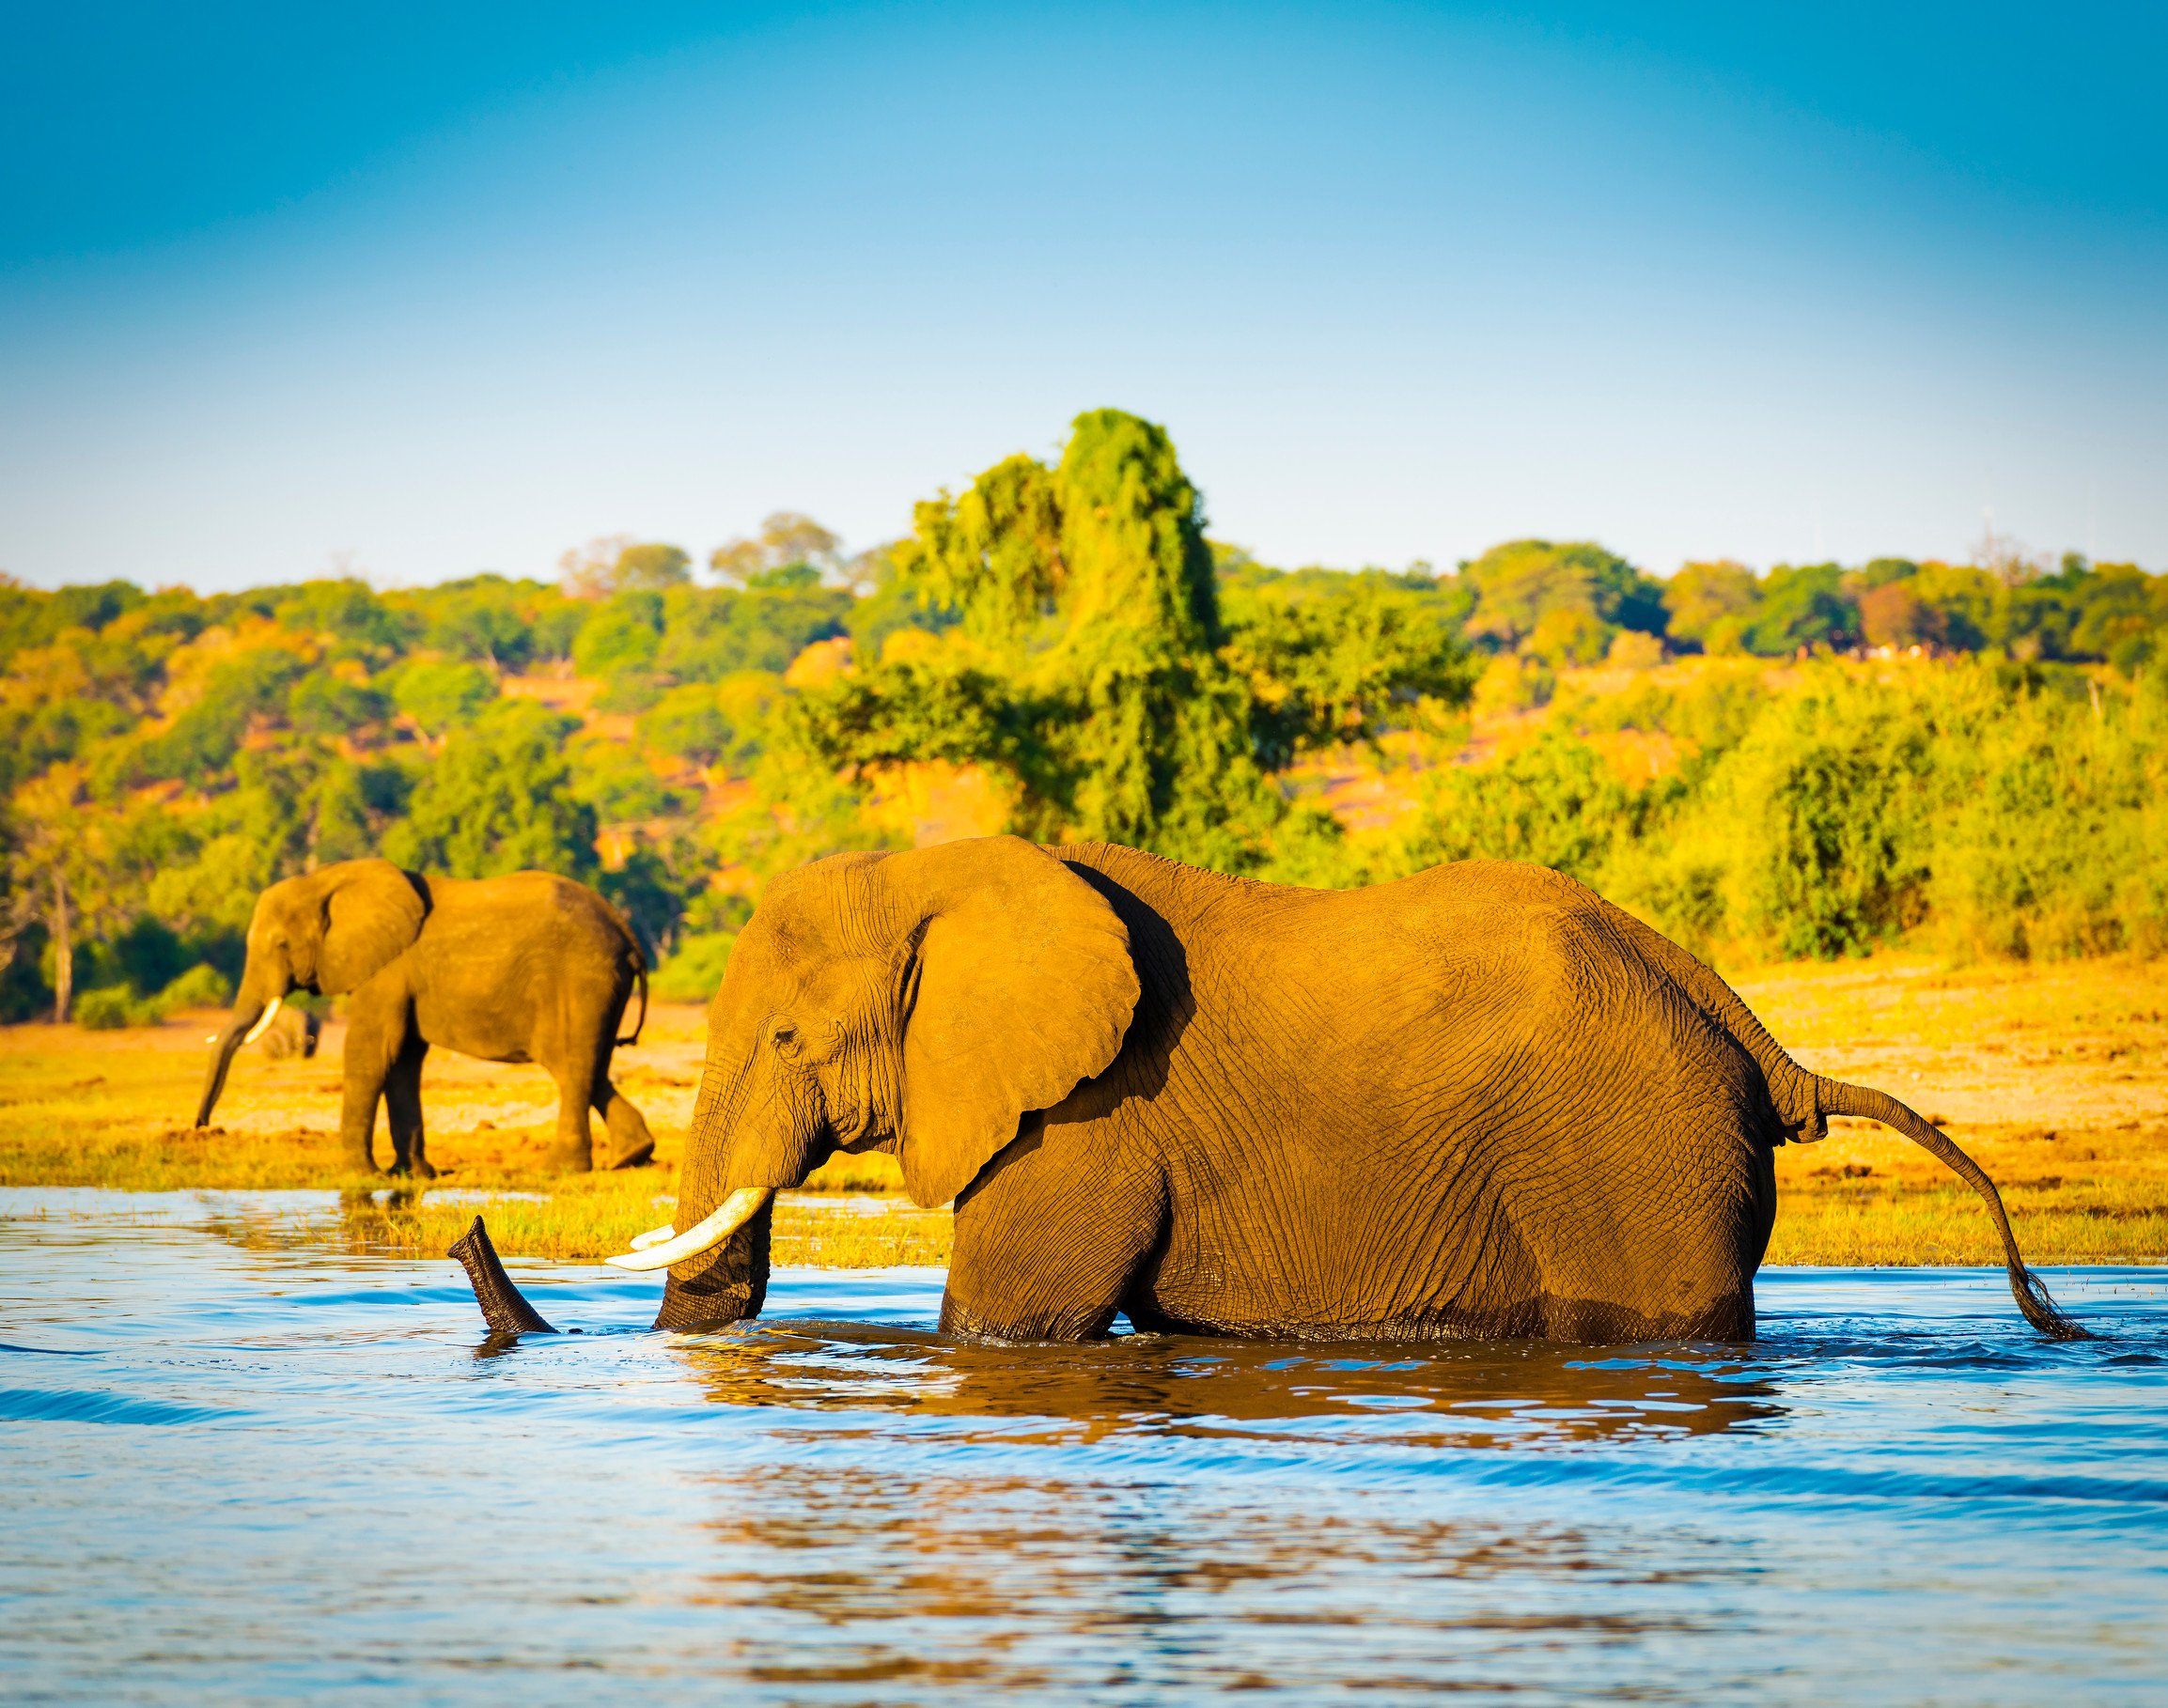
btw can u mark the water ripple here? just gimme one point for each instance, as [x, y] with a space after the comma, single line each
[246, 1465]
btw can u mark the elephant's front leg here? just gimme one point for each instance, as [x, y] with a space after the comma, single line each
[378, 1018]
[575, 1091]
[1048, 1239]
[403, 1105]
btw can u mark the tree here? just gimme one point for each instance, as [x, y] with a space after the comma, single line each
[1711, 603]
[1800, 607]
[442, 697]
[786, 539]
[79, 865]
[1091, 667]
[616, 563]
[48, 867]
[623, 636]
[1330, 656]
[499, 798]
[1893, 614]
[1518, 584]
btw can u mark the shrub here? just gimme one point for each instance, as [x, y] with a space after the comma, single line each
[695, 971]
[201, 987]
[106, 1010]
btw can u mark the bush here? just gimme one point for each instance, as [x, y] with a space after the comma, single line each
[201, 987]
[695, 971]
[442, 697]
[1555, 803]
[106, 1010]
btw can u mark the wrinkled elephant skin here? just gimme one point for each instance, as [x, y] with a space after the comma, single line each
[1480, 1101]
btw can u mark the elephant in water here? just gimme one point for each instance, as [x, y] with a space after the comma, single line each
[1480, 1101]
[528, 968]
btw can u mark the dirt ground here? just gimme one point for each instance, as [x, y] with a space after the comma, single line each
[2055, 1078]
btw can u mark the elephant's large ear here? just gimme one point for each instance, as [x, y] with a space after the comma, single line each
[1024, 986]
[371, 913]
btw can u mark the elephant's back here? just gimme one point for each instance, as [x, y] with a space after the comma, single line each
[521, 958]
[1478, 1068]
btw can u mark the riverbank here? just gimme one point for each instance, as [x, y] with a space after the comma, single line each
[2055, 1078]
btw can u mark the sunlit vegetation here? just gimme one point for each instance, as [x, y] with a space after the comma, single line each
[1821, 762]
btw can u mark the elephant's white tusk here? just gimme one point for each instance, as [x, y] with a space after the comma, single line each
[738, 1209]
[642, 1241]
[270, 1014]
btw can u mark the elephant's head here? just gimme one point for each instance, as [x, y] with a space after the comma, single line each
[919, 1003]
[325, 933]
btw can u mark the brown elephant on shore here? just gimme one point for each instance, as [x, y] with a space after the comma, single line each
[526, 968]
[1478, 1101]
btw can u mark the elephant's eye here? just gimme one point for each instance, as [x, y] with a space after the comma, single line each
[785, 1041]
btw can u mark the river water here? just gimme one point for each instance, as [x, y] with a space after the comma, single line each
[241, 1464]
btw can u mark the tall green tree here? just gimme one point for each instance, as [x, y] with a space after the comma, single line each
[500, 798]
[1093, 668]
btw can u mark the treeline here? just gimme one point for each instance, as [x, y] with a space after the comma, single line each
[1065, 637]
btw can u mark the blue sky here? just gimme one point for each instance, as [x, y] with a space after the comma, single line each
[430, 293]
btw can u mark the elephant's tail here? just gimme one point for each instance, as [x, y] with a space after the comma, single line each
[1839, 1099]
[643, 1019]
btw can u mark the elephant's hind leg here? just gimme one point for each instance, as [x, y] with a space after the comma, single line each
[631, 1145]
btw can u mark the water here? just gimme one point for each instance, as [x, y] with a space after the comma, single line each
[242, 1465]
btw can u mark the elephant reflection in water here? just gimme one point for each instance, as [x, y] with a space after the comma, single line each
[525, 968]
[1472, 1395]
[1054, 1582]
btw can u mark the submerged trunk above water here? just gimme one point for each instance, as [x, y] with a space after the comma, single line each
[504, 1307]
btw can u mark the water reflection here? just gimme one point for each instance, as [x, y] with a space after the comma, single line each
[271, 1467]
[1465, 1395]
[1023, 1584]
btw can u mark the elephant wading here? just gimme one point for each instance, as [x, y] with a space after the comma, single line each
[529, 968]
[1480, 1101]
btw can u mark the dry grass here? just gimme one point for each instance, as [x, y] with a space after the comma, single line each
[111, 1109]
[2055, 1078]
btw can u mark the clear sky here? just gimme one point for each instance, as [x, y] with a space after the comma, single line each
[432, 290]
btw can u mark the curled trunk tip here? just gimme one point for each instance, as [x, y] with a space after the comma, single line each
[504, 1308]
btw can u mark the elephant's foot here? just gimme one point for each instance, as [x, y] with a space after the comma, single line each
[418, 1167]
[361, 1162]
[568, 1158]
[641, 1155]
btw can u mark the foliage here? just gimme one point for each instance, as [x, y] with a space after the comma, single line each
[787, 541]
[708, 634]
[1985, 810]
[441, 697]
[1519, 583]
[694, 974]
[1554, 803]
[1092, 666]
[620, 786]
[1066, 632]
[623, 637]
[500, 798]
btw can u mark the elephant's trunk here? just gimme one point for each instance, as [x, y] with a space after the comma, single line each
[504, 1307]
[251, 1015]
[731, 1288]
